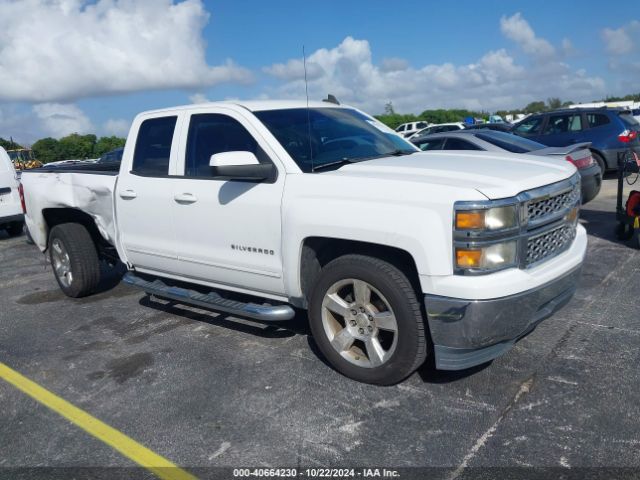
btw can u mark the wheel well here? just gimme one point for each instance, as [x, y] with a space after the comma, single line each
[601, 155]
[318, 251]
[57, 216]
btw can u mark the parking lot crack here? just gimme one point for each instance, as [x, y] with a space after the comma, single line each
[525, 387]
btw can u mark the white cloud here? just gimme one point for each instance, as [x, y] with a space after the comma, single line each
[516, 28]
[494, 81]
[393, 64]
[19, 123]
[64, 50]
[294, 69]
[58, 120]
[199, 98]
[116, 126]
[623, 40]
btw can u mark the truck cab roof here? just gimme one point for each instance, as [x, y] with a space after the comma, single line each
[251, 105]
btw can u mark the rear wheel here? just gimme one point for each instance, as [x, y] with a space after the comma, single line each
[600, 161]
[14, 229]
[74, 259]
[367, 320]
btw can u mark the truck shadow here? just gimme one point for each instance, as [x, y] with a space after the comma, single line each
[299, 325]
[600, 224]
[250, 326]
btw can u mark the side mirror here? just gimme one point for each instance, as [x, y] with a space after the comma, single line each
[241, 165]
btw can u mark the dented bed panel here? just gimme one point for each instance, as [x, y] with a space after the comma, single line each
[91, 193]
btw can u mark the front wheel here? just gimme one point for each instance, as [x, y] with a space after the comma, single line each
[367, 321]
[74, 259]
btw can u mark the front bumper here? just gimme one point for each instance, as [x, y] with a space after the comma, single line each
[466, 333]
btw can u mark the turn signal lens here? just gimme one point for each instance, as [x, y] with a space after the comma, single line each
[492, 257]
[468, 258]
[572, 216]
[470, 220]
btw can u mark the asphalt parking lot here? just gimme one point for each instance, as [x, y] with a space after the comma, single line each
[206, 390]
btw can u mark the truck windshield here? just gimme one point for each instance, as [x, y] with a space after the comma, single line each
[320, 136]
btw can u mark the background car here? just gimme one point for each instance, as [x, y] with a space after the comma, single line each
[493, 141]
[408, 129]
[609, 130]
[111, 158]
[500, 127]
[439, 127]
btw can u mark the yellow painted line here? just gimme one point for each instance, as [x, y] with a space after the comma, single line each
[128, 447]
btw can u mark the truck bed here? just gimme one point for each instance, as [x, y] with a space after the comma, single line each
[88, 188]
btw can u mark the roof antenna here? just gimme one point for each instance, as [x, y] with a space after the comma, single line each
[331, 99]
[306, 91]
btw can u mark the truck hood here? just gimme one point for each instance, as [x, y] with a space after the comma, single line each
[495, 175]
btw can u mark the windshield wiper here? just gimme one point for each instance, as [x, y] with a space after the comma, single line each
[342, 161]
[394, 153]
[345, 161]
[398, 153]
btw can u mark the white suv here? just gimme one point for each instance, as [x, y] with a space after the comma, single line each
[408, 129]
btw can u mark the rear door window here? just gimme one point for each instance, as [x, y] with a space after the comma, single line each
[153, 146]
[563, 123]
[596, 119]
[459, 144]
[431, 144]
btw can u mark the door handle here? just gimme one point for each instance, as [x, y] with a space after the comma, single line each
[128, 194]
[186, 198]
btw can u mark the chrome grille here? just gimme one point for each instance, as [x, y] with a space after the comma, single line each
[538, 210]
[549, 243]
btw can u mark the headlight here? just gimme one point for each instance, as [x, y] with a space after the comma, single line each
[491, 257]
[496, 218]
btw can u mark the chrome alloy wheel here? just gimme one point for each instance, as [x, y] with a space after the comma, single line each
[61, 263]
[359, 323]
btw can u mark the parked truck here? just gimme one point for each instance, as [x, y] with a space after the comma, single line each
[258, 208]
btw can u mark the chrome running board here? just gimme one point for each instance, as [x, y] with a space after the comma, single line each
[211, 300]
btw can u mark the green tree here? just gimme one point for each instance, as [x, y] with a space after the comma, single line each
[535, 107]
[77, 147]
[47, 150]
[106, 144]
[396, 119]
[554, 103]
[9, 144]
[447, 116]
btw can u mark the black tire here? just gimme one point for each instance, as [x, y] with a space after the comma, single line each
[83, 259]
[411, 348]
[601, 163]
[14, 229]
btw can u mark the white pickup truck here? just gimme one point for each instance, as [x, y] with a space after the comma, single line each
[258, 207]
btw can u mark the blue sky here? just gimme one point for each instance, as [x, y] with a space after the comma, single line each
[72, 65]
